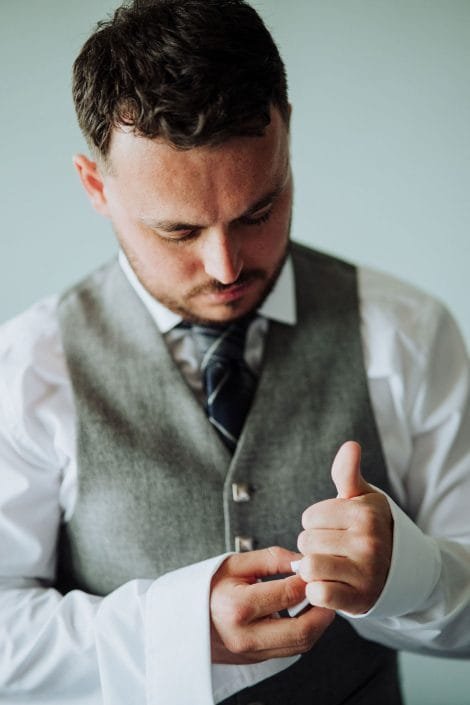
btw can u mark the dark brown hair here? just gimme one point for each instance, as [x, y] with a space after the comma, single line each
[193, 72]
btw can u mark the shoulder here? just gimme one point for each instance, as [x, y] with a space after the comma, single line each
[396, 305]
[389, 307]
[401, 324]
[31, 338]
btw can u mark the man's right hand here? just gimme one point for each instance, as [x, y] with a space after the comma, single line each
[244, 621]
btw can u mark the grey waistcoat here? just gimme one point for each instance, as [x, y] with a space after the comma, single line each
[154, 483]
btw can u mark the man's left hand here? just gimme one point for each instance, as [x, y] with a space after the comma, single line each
[347, 541]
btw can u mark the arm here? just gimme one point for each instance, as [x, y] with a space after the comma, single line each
[51, 644]
[425, 606]
[420, 395]
[132, 645]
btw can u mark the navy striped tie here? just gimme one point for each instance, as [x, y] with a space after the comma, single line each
[229, 384]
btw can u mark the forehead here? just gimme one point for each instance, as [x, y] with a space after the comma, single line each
[151, 177]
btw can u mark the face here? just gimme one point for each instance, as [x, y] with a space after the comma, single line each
[206, 229]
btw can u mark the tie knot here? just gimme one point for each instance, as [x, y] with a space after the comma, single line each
[223, 343]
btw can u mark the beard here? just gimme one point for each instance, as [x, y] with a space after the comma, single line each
[248, 276]
[183, 306]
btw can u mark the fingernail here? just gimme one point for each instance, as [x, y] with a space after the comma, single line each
[295, 566]
[294, 611]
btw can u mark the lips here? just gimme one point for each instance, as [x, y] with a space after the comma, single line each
[230, 293]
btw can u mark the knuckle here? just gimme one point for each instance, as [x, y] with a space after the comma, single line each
[240, 644]
[302, 647]
[275, 557]
[321, 593]
[302, 542]
[293, 591]
[276, 553]
[326, 592]
[308, 516]
[241, 613]
[310, 567]
[219, 604]
[230, 611]
[305, 639]
[306, 634]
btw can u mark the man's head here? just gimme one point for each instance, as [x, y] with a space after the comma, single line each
[193, 72]
[184, 106]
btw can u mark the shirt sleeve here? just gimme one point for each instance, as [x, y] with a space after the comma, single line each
[419, 381]
[131, 646]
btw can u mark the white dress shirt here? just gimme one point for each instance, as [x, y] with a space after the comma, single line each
[149, 641]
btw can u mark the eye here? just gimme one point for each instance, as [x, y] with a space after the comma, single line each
[186, 237]
[258, 218]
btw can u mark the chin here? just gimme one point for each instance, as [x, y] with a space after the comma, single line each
[225, 313]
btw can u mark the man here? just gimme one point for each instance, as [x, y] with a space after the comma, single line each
[168, 422]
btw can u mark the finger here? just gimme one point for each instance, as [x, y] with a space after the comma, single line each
[327, 541]
[346, 472]
[329, 514]
[263, 599]
[317, 567]
[336, 596]
[262, 563]
[274, 638]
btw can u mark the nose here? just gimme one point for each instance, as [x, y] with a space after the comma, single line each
[222, 257]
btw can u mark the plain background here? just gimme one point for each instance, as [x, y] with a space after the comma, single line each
[381, 157]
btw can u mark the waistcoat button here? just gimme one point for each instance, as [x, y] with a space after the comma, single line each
[241, 492]
[243, 543]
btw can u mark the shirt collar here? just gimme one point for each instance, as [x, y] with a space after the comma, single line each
[279, 306]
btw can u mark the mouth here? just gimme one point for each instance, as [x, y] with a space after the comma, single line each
[232, 292]
[217, 293]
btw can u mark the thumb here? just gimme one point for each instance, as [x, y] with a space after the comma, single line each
[346, 472]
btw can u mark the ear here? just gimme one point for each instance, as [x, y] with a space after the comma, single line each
[92, 182]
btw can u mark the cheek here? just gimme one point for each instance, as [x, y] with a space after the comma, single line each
[262, 250]
[173, 265]
[274, 237]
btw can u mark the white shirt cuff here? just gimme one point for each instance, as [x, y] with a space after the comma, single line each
[228, 680]
[178, 643]
[414, 570]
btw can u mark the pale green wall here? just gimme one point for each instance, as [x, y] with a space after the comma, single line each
[381, 153]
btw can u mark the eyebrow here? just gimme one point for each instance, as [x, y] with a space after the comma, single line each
[169, 226]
